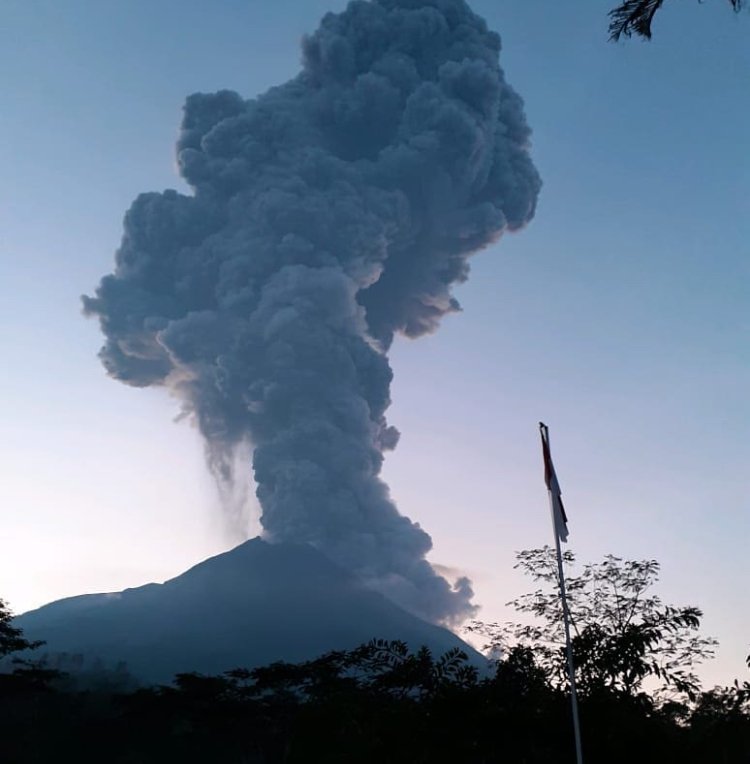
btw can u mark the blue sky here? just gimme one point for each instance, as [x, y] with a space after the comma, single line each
[619, 316]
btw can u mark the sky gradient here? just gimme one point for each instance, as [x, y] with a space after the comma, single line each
[619, 316]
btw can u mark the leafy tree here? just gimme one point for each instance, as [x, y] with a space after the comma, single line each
[384, 704]
[720, 724]
[634, 17]
[623, 634]
[355, 705]
[377, 704]
[11, 638]
[26, 676]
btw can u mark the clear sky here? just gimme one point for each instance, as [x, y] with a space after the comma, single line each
[620, 316]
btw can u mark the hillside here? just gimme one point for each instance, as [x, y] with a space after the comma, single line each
[253, 605]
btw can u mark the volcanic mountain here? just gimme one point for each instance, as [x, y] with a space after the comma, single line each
[253, 605]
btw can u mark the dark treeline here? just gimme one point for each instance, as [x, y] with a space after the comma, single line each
[382, 703]
[379, 703]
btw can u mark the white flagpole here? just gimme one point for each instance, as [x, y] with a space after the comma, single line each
[566, 620]
[569, 647]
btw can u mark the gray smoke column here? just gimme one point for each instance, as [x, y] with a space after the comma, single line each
[327, 215]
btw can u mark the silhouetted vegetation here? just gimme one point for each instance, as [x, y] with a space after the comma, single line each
[19, 677]
[624, 636]
[635, 17]
[384, 703]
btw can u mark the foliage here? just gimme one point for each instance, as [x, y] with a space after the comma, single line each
[622, 633]
[19, 675]
[11, 638]
[635, 17]
[721, 722]
[380, 702]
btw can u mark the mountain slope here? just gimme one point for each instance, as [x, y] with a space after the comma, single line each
[253, 605]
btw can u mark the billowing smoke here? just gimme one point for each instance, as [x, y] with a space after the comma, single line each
[327, 215]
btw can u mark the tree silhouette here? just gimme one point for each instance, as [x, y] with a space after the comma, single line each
[26, 675]
[634, 17]
[11, 638]
[622, 632]
[383, 703]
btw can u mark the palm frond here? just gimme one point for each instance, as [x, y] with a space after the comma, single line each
[634, 17]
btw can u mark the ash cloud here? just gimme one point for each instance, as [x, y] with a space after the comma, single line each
[326, 216]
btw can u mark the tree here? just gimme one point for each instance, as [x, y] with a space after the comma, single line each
[720, 723]
[377, 703]
[634, 17]
[11, 638]
[622, 633]
[26, 676]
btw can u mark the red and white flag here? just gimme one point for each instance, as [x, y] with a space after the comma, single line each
[559, 518]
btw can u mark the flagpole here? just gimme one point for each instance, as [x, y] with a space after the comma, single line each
[551, 480]
[568, 645]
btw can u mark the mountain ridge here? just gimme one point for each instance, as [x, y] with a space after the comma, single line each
[253, 605]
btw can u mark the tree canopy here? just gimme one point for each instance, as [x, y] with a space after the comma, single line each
[387, 704]
[623, 634]
[11, 638]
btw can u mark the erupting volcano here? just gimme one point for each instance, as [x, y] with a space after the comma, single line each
[327, 215]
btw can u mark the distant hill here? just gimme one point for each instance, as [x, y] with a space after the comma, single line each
[253, 605]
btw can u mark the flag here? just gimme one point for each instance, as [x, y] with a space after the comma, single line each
[559, 518]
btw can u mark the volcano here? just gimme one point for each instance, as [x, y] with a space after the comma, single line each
[251, 606]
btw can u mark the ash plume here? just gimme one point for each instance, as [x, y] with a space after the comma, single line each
[326, 216]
